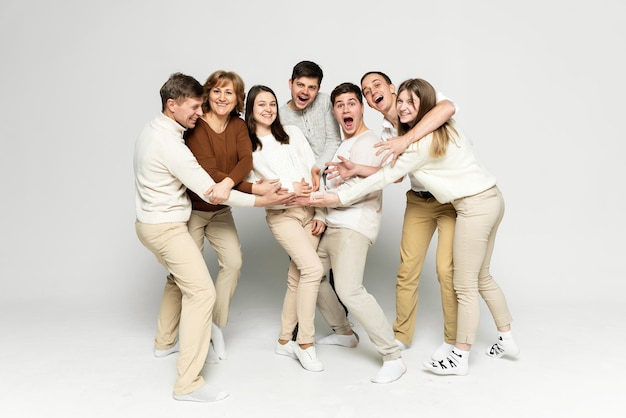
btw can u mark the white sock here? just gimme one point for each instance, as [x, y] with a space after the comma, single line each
[166, 352]
[460, 356]
[506, 346]
[400, 344]
[442, 351]
[205, 393]
[218, 342]
[340, 339]
[391, 371]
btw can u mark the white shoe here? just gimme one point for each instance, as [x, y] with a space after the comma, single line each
[164, 353]
[308, 358]
[285, 349]
[442, 351]
[350, 341]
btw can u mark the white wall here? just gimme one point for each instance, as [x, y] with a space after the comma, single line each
[540, 85]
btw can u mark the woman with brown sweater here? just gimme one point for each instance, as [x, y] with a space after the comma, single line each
[221, 144]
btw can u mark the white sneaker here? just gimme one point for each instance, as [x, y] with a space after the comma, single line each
[308, 358]
[285, 349]
[350, 341]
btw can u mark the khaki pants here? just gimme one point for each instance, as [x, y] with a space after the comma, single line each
[345, 251]
[421, 218]
[292, 229]
[219, 229]
[188, 299]
[478, 218]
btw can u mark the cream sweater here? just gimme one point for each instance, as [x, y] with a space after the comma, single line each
[455, 175]
[164, 169]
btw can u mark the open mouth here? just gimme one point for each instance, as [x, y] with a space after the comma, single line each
[378, 99]
[348, 122]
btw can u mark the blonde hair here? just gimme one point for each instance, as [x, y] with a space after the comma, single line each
[443, 135]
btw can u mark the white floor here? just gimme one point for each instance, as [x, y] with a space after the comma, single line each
[71, 361]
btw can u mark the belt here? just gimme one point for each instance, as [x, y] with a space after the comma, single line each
[424, 195]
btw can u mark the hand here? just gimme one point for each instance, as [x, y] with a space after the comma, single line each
[316, 175]
[318, 227]
[324, 200]
[276, 196]
[300, 201]
[392, 148]
[302, 188]
[221, 191]
[263, 186]
[207, 192]
[342, 170]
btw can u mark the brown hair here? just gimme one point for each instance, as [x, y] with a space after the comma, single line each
[443, 135]
[218, 78]
[179, 87]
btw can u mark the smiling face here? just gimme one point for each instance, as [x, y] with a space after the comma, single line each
[378, 93]
[407, 107]
[303, 92]
[348, 111]
[186, 112]
[222, 98]
[264, 111]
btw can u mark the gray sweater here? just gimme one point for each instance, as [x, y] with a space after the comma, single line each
[318, 125]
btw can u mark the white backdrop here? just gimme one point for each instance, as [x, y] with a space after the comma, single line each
[540, 86]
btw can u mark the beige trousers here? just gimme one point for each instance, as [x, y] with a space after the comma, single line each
[188, 299]
[292, 229]
[478, 218]
[345, 251]
[220, 231]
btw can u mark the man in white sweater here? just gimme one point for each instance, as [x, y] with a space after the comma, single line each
[350, 231]
[164, 169]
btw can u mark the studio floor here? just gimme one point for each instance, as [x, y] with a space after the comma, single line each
[64, 360]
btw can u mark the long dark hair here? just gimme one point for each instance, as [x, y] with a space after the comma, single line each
[277, 128]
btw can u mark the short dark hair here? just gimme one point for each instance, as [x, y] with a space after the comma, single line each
[380, 73]
[346, 88]
[307, 69]
[179, 87]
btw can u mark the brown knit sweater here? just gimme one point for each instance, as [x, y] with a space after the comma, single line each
[226, 154]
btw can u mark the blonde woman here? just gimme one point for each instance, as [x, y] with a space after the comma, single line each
[445, 163]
